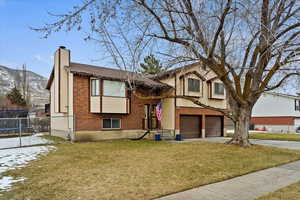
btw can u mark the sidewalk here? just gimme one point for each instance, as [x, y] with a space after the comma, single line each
[273, 143]
[247, 187]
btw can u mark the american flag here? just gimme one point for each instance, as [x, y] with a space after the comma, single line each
[159, 111]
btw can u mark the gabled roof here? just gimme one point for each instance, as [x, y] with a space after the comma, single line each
[193, 72]
[172, 72]
[50, 79]
[111, 74]
[283, 95]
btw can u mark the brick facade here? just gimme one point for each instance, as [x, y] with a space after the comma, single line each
[273, 120]
[6, 104]
[87, 121]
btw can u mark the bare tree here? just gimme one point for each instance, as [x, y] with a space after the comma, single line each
[253, 46]
[22, 84]
[25, 85]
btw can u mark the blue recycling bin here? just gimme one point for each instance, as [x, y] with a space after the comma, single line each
[178, 137]
[157, 137]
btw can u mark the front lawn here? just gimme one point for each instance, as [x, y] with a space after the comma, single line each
[292, 192]
[54, 139]
[137, 169]
[272, 136]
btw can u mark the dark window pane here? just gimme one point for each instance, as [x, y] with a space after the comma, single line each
[219, 88]
[193, 85]
[115, 123]
[106, 123]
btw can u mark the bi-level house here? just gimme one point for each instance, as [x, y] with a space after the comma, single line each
[97, 103]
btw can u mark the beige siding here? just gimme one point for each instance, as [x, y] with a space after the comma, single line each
[204, 90]
[70, 112]
[55, 83]
[169, 81]
[114, 104]
[59, 121]
[168, 114]
[61, 80]
[70, 96]
[52, 98]
[95, 104]
[64, 62]
[61, 89]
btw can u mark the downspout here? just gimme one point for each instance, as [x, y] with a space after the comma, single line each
[71, 133]
[175, 104]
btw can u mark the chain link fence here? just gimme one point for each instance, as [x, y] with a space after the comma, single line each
[28, 131]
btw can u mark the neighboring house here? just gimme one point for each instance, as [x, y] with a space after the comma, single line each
[277, 112]
[96, 103]
[10, 110]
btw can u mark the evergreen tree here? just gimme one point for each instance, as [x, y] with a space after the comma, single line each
[16, 97]
[151, 66]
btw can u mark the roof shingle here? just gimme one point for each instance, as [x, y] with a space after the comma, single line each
[114, 74]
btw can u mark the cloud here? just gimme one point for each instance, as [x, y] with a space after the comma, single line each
[37, 57]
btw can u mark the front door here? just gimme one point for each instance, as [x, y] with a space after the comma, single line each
[150, 120]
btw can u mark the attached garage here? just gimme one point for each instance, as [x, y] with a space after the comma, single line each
[190, 126]
[213, 126]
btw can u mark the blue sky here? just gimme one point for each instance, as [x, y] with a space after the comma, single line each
[19, 44]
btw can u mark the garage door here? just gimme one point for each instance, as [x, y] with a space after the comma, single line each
[213, 126]
[190, 126]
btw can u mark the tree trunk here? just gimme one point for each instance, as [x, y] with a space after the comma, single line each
[241, 127]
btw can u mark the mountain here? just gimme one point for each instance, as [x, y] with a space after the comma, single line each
[37, 84]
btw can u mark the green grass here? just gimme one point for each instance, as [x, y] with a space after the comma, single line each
[137, 170]
[272, 136]
[54, 139]
[292, 192]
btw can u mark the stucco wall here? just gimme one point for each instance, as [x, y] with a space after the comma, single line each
[168, 114]
[204, 92]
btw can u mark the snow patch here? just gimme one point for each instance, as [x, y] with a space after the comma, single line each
[7, 181]
[17, 158]
[25, 140]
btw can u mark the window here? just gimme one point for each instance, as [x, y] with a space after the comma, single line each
[95, 87]
[114, 88]
[297, 105]
[219, 88]
[112, 123]
[193, 85]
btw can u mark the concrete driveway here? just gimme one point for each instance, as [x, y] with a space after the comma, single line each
[273, 143]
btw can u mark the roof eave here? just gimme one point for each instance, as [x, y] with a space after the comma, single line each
[48, 86]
